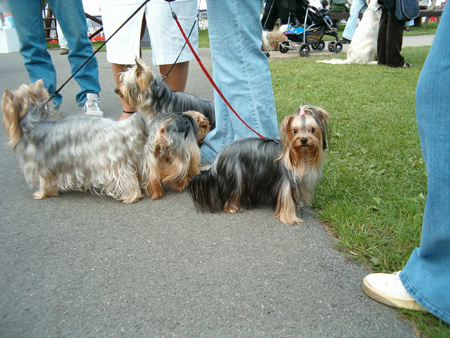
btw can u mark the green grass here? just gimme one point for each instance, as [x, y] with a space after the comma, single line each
[372, 196]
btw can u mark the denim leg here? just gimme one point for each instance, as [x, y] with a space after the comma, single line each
[33, 46]
[350, 27]
[71, 17]
[426, 276]
[242, 73]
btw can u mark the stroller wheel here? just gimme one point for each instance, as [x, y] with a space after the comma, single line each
[338, 48]
[283, 47]
[304, 50]
[331, 46]
[320, 45]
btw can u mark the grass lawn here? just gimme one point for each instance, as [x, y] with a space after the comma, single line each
[372, 196]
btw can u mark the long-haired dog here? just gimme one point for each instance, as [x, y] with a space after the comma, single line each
[172, 154]
[252, 171]
[271, 40]
[150, 94]
[363, 48]
[78, 152]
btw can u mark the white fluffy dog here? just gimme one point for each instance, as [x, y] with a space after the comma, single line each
[363, 48]
[271, 40]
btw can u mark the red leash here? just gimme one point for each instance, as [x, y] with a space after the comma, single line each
[209, 76]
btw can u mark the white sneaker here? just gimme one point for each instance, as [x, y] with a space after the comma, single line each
[91, 106]
[389, 290]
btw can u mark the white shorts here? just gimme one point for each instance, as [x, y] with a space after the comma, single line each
[165, 36]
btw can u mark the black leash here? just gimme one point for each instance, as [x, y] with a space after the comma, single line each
[96, 51]
[181, 51]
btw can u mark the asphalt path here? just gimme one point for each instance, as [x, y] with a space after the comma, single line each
[87, 266]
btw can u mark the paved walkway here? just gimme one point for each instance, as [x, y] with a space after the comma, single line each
[88, 266]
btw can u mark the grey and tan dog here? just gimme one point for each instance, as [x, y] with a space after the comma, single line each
[114, 158]
[78, 152]
[150, 95]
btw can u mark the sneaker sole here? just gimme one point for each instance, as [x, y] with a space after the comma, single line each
[399, 303]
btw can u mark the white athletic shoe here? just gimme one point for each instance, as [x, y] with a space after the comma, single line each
[389, 290]
[91, 106]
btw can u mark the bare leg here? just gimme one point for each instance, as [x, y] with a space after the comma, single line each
[177, 77]
[117, 69]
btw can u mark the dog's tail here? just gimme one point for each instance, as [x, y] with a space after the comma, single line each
[204, 192]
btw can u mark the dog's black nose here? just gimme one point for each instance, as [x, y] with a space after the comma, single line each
[304, 140]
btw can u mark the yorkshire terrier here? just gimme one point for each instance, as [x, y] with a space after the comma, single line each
[150, 94]
[252, 171]
[172, 153]
[78, 152]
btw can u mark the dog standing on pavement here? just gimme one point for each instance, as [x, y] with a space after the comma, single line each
[253, 171]
[363, 48]
[78, 152]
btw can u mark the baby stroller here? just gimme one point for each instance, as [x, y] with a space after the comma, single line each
[314, 24]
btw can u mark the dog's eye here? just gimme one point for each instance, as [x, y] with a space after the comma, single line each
[295, 131]
[312, 130]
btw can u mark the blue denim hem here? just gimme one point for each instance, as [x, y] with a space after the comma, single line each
[421, 300]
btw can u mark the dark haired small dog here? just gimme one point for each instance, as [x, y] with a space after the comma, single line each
[150, 95]
[252, 171]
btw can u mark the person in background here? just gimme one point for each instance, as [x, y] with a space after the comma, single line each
[390, 39]
[33, 48]
[165, 37]
[350, 27]
[62, 41]
[272, 12]
[423, 283]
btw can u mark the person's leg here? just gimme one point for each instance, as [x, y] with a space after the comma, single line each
[352, 21]
[177, 77]
[241, 71]
[166, 39]
[270, 15]
[71, 17]
[33, 46]
[117, 69]
[62, 41]
[426, 276]
[394, 41]
[381, 40]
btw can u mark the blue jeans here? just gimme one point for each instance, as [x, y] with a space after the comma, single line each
[352, 20]
[241, 71]
[426, 276]
[27, 16]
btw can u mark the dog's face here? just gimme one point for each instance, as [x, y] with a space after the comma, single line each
[135, 84]
[16, 104]
[304, 136]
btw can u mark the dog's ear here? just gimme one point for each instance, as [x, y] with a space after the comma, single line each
[321, 113]
[143, 76]
[7, 97]
[286, 123]
[140, 65]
